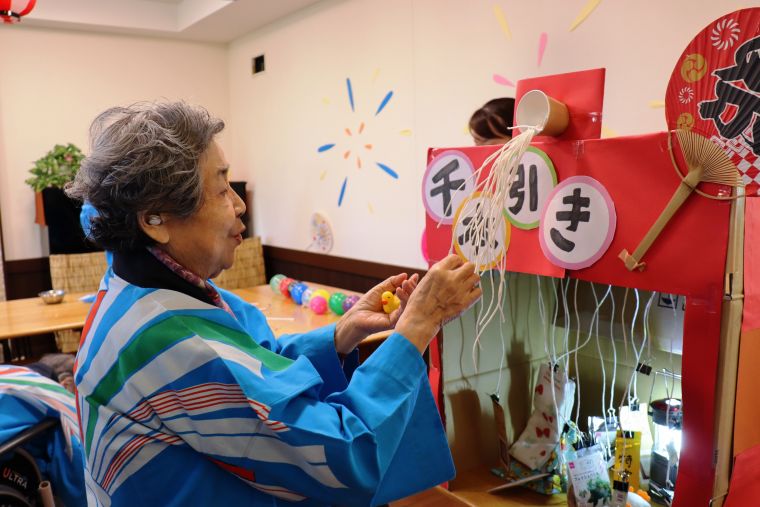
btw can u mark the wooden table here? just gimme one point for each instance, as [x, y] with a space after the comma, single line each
[29, 317]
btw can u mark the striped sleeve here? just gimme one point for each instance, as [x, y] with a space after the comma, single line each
[317, 345]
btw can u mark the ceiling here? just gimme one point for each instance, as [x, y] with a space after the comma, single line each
[200, 20]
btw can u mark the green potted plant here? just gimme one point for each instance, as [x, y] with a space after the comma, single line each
[60, 214]
[56, 168]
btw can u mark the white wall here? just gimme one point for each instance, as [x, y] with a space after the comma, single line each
[438, 56]
[53, 83]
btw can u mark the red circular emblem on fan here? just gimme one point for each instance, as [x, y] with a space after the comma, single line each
[715, 90]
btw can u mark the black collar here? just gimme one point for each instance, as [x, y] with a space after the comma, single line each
[139, 267]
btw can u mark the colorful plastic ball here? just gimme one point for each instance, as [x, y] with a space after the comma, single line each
[284, 284]
[318, 304]
[274, 283]
[349, 302]
[336, 303]
[306, 296]
[296, 292]
[322, 292]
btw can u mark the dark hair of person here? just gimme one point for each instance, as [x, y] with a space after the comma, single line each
[492, 121]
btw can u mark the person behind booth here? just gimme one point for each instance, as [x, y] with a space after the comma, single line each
[492, 123]
[185, 397]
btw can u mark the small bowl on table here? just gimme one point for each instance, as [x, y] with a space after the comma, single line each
[52, 297]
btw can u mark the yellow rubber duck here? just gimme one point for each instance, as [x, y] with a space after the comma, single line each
[390, 301]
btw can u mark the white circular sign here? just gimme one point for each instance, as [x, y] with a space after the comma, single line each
[533, 182]
[448, 181]
[481, 232]
[578, 223]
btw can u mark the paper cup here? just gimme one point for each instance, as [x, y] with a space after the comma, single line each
[538, 109]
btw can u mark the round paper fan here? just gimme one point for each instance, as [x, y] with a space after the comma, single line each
[715, 90]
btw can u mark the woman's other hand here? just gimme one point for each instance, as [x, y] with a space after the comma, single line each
[449, 288]
[367, 316]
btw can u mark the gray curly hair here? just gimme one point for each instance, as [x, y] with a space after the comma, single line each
[143, 158]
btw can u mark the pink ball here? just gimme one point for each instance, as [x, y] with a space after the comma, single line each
[318, 305]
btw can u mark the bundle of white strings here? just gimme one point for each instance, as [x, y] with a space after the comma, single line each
[485, 219]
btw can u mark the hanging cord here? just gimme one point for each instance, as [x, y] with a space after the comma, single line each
[606, 448]
[542, 317]
[575, 355]
[633, 346]
[503, 348]
[669, 391]
[566, 330]
[637, 353]
[555, 294]
[559, 418]
[592, 325]
[623, 325]
[614, 351]
[487, 218]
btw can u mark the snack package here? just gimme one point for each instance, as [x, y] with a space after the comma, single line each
[542, 433]
[589, 477]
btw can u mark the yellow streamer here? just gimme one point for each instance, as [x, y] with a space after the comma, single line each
[502, 19]
[585, 12]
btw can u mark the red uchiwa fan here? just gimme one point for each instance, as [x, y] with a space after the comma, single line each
[714, 91]
[712, 106]
[11, 11]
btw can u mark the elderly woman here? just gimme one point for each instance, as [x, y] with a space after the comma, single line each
[185, 397]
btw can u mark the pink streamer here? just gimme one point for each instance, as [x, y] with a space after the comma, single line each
[499, 79]
[542, 40]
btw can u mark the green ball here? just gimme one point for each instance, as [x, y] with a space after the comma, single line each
[274, 283]
[336, 303]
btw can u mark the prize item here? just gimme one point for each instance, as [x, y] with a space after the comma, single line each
[390, 301]
[627, 458]
[318, 304]
[588, 475]
[349, 303]
[321, 293]
[284, 286]
[296, 292]
[306, 296]
[274, 283]
[542, 434]
[336, 303]
[638, 499]
[667, 416]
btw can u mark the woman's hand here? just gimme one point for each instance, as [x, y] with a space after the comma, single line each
[367, 316]
[449, 288]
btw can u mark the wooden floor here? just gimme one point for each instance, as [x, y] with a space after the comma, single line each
[470, 488]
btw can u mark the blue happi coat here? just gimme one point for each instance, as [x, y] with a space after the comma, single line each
[182, 403]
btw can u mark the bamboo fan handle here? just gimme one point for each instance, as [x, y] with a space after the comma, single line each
[686, 187]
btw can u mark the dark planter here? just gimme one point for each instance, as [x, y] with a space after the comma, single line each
[64, 230]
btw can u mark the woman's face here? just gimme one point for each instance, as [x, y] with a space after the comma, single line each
[205, 242]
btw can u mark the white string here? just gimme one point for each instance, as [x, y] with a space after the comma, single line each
[486, 219]
[554, 319]
[503, 352]
[614, 350]
[622, 324]
[633, 345]
[575, 356]
[672, 338]
[605, 448]
[566, 329]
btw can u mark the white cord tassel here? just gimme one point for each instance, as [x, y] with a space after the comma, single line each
[484, 221]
